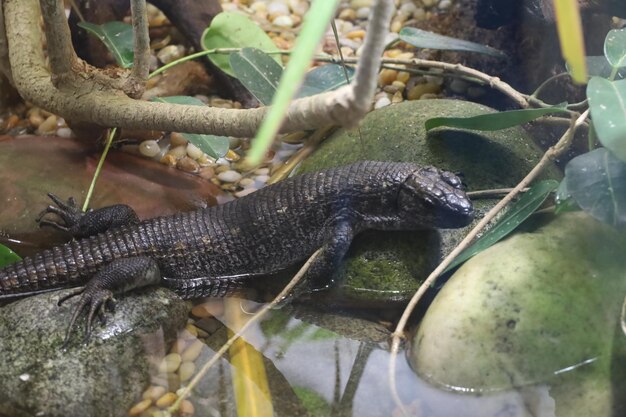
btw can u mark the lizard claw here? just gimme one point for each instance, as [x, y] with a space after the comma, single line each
[68, 211]
[94, 301]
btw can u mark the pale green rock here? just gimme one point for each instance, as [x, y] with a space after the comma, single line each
[540, 307]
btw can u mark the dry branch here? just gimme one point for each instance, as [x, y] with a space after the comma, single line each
[81, 93]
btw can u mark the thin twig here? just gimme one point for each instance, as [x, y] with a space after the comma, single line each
[60, 51]
[260, 314]
[397, 335]
[495, 192]
[96, 174]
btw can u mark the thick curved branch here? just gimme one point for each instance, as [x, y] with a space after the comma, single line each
[77, 97]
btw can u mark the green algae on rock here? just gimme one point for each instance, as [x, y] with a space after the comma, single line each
[540, 307]
[100, 378]
[388, 267]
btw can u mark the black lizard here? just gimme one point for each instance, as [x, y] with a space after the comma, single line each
[212, 251]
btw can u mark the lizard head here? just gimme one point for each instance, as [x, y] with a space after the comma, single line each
[431, 197]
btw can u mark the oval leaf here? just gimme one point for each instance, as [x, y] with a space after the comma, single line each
[232, 30]
[7, 256]
[607, 101]
[597, 182]
[515, 215]
[494, 121]
[324, 78]
[423, 39]
[258, 72]
[615, 47]
[117, 37]
[212, 145]
[600, 67]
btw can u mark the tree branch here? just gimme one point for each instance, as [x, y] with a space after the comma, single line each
[141, 59]
[77, 97]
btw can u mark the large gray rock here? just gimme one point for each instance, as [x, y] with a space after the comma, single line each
[384, 268]
[540, 308]
[101, 378]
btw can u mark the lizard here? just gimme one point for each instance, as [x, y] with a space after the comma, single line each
[214, 250]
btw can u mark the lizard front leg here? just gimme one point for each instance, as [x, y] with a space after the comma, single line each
[116, 277]
[83, 224]
[321, 272]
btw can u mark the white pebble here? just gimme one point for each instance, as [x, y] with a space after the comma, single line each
[363, 12]
[149, 148]
[283, 21]
[408, 8]
[229, 176]
[64, 132]
[445, 4]
[245, 192]
[262, 171]
[277, 9]
[382, 102]
[262, 178]
[193, 151]
[222, 161]
[246, 182]
[357, 4]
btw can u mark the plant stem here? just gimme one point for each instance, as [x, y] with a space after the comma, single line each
[96, 174]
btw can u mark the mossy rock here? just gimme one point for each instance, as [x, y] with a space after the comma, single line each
[388, 267]
[539, 308]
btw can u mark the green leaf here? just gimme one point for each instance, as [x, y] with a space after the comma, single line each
[600, 67]
[7, 256]
[615, 47]
[313, 28]
[232, 30]
[607, 101]
[324, 78]
[258, 72]
[212, 145]
[597, 182]
[118, 38]
[423, 39]
[515, 215]
[494, 121]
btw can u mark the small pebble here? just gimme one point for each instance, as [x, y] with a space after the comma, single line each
[356, 4]
[262, 171]
[232, 156]
[207, 172]
[170, 53]
[246, 182]
[277, 8]
[382, 102]
[139, 408]
[191, 329]
[170, 363]
[179, 346]
[35, 118]
[229, 176]
[149, 148]
[166, 400]
[347, 14]
[12, 121]
[387, 76]
[283, 21]
[262, 178]
[193, 351]
[64, 132]
[445, 4]
[245, 192]
[363, 12]
[186, 371]
[186, 408]
[169, 160]
[177, 139]
[178, 151]
[48, 126]
[205, 161]
[193, 151]
[420, 89]
[187, 164]
[154, 392]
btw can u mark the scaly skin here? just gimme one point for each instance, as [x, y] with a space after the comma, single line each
[211, 251]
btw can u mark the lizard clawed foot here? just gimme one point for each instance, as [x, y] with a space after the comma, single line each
[68, 211]
[94, 300]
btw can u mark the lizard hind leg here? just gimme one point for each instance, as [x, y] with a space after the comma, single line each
[116, 277]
